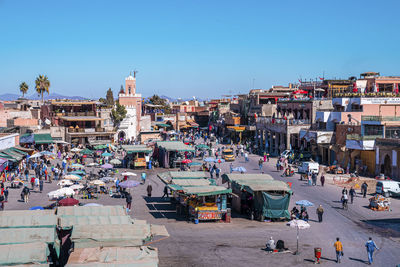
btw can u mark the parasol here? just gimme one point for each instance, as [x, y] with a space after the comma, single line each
[106, 154]
[219, 160]
[98, 182]
[68, 202]
[107, 166]
[76, 150]
[129, 184]
[239, 169]
[186, 161]
[128, 174]
[115, 161]
[76, 186]
[64, 182]
[209, 159]
[93, 164]
[298, 224]
[304, 203]
[77, 165]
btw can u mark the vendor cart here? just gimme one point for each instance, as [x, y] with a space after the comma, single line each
[379, 203]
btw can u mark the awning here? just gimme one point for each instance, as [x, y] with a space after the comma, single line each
[163, 125]
[26, 139]
[43, 139]
[137, 149]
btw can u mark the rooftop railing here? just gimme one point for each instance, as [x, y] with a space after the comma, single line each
[380, 118]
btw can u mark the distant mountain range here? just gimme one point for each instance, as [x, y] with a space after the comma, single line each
[11, 97]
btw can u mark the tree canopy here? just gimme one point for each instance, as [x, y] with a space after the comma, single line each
[110, 97]
[42, 84]
[156, 100]
[23, 87]
[118, 113]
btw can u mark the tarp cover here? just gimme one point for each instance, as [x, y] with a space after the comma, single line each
[191, 182]
[167, 176]
[272, 206]
[67, 221]
[31, 221]
[175, 146]
[114, 256]
[137, 149]
[209, 190]
[92, 211]
[110, 235]
[26, 212]
[43, 139]
[31, 253]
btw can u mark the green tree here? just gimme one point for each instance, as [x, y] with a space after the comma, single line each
[110, 97]
[118, 113]
[156, 100]
[102, 100]
[42, 84]
[23, 87]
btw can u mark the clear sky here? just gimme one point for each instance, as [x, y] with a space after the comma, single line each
[186, 48]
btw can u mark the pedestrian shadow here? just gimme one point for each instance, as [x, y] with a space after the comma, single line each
[336, 201]
[155, 199]
[308, 260]
[328, 259]
[359, 260]
[167, 215]
[160, 207]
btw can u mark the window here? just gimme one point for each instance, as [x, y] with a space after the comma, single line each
[129, 90]
[373, 130]
[392, 132]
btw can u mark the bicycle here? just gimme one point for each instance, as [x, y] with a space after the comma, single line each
[344, 204]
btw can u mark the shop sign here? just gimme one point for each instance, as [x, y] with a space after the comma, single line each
[209, 215]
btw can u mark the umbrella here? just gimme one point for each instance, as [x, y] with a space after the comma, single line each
[65, 191]
[78, 172]
[107, 179]
[186, 161]
[128, 174]
[129, 184]
[219, 160]
[76, 186]
[195, 164]
[202, 146]
[93, 164]
[300, 92]
[47, 153]
[65, 182]
[87, 152]
[37, 155]
[73, 177]
[304, 203]
[77, 165]
[209, 159]
[98, 182]
[68, 202]
[37, 208]
[298, 224]
[92, 205]
[76, 150]
[106, 154]
[107, 166]
[239, 169]
[115, 161]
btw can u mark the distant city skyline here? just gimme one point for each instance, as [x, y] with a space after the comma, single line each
[184, 48]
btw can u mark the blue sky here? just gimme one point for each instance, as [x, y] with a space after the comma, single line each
[187, 48]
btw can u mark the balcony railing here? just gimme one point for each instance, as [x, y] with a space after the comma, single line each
[281, 121]
[73, 114]
[380, 118]
[359, 137]
[86, 130]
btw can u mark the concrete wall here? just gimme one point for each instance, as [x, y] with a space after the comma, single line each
[7, 141]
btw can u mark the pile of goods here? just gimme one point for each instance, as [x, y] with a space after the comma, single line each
[379, 203]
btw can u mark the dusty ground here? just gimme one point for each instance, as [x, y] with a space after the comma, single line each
[241, 242]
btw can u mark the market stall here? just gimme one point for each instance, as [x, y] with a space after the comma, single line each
[168, 152]
[259, 196]
[136, 156]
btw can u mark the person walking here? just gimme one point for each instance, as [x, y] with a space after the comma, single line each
[246, 157]
[217, 172]
[26, 192]
[128, 199]
[265, 156]
[149, 189]
[314, 178]
[371, 246]
[322, 180]
[320, 212]
[41, 185]
[352, 193]
[231, 167]
[6, 194]
[364, 188]
[339, 250]
[165, 192]
[33, 182]
[260, 163]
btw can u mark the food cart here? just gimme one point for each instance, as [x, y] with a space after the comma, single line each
[136, 155]
[379, 203]
[259, 196]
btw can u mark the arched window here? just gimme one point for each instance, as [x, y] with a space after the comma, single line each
[129, 90]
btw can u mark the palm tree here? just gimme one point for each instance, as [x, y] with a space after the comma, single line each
[42, 85]
[23, 87]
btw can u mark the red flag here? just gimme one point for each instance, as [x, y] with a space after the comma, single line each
[321, 78]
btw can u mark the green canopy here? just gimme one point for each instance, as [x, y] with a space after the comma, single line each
[202, 146]
[92, 211]
[209, 190]
[137, 149]
[43, 139]
[67, 221]
[163, 125]
[272, 206]
[28, 221]
[98, 147]
[86, 151]
[175, 146]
